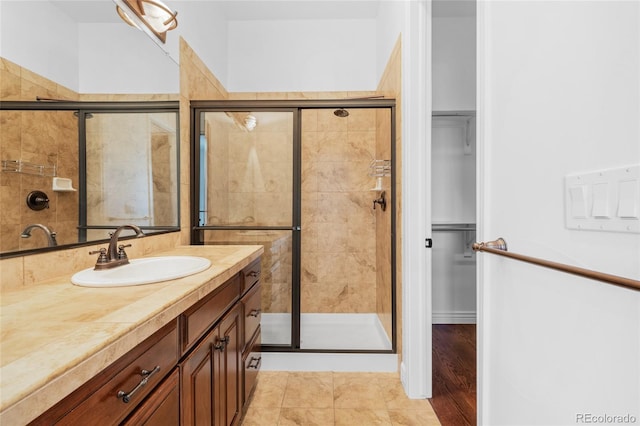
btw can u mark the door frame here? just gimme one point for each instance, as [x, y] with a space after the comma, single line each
[416, 364]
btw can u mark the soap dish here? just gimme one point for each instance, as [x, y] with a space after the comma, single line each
[62, 185]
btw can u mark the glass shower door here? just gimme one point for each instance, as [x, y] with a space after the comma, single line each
[246, 196]
[346, 255]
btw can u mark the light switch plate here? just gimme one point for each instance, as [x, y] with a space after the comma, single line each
[604, 200]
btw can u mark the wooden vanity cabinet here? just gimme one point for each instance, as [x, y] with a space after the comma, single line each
[100, 401]
[205, 364]
[211, 376]
[162, 406]
[252, 310]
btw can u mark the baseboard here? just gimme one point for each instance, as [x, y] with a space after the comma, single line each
[454, 317]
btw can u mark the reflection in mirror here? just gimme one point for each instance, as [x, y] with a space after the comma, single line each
[131, 171]
[100, 165]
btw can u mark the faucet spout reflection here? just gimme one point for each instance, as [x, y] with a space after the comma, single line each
[115, 254]
[51, 236]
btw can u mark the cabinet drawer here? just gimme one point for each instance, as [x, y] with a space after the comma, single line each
[200, 317]
[251, 274]
[252, 361]
[162, 407]
[252, 303]
[103, 403]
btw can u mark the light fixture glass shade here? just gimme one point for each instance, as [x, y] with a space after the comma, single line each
[151, 16]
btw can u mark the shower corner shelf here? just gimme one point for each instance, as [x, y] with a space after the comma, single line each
[380, 168]
[19, 166]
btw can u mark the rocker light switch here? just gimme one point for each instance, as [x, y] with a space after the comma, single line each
[601, 200]
[628, 200]
[606, 200]
[578, 196]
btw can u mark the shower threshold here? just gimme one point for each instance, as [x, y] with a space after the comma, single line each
[327, 331]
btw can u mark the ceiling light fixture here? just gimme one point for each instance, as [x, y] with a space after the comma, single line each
[151, 16]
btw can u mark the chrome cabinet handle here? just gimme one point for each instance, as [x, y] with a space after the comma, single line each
[146, 375]
[252, 360]
[254, 313]
[254, 274]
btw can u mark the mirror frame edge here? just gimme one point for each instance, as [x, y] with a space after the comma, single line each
[97, 106]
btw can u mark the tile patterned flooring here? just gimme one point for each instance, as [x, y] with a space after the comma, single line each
[334, 399]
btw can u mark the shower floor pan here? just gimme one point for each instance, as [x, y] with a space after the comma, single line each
[327, 331]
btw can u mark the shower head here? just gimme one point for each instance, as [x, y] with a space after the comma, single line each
[341, 112]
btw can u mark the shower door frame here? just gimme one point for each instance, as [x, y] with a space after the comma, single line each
[296, 107]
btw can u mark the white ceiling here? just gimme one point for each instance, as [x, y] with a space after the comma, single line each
[103, 11]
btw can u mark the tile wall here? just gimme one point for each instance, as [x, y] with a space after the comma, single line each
[338, 223]
[47, 138]
[21, 137]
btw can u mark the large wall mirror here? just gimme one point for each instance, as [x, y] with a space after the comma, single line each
[81, 169]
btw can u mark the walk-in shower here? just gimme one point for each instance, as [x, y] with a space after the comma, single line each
[301, 183]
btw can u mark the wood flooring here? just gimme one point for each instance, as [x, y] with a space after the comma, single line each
[454, 374]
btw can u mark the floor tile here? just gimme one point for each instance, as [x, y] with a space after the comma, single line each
[413, 418]
[334, 399]
[270, 389]
[361, 416]
[309, 390]
[354, 390]
[306, 417]
[261, 416]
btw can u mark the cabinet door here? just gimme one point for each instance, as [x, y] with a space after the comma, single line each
[162, 406]
[198, 391]
[230, 367]
[211, 376]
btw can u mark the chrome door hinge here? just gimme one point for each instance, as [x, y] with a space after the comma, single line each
[428, 242]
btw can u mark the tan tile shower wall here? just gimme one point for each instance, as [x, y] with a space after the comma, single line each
[44, 138]
[197, 82]
[338, 222]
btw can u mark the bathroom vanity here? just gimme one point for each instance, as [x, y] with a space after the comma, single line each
[185, 351]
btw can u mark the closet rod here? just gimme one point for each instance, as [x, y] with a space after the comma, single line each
[451, 228]
[499, 247]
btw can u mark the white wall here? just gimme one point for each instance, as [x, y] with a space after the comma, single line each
[117, 58]
[559, 93]
[302, 55]
[39, 37]
[389, 26]
[204, 26]
[87, 58]
[454, 63]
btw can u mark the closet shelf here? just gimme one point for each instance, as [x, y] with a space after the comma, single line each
[461, 113]
[19, 166]
[441, 227]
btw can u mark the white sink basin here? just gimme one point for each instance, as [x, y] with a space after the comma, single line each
[142, 271]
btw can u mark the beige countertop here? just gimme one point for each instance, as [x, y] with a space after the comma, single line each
[56, 336]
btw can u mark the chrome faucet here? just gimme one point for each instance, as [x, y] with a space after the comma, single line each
[115, 254]
[51, 236]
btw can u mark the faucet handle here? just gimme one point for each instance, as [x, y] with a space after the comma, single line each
[121, 253]
[102, 258]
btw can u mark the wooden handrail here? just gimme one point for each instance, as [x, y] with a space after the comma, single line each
[499, 247]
